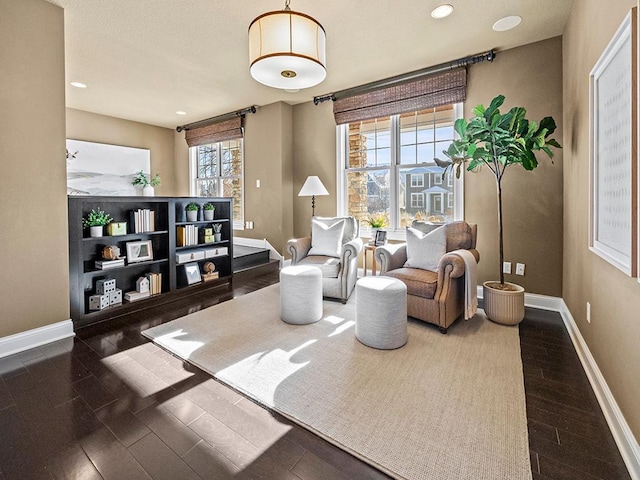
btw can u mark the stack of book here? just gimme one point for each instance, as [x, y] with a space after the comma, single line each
[143, 220]
[155, 283]
[187, 235]
[106, 264]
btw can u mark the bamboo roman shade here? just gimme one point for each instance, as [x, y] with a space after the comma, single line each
[216, 132]
[427, 92]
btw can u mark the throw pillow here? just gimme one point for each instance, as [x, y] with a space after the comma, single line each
[326, 239]
[425, 250]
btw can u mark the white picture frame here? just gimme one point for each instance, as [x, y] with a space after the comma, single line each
[192, 272]
[140, 251]
[613, 104]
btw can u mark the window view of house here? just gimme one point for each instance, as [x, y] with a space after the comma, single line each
[390, 169]
[217, 172]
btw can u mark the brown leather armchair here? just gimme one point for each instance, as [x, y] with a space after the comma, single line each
[434, 297]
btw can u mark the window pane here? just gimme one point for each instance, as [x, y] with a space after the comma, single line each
[444, 132]
[368, 193]
[232, 187]
[383, 157]
[425, 153]
[207, 161]
[207, 188]
[408, 154]
[440, 147]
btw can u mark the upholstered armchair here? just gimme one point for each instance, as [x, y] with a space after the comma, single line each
[333, 247]
[434, 296]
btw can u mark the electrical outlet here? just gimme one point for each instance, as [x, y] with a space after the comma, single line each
[257, 183]
[519, 268]
[506, 267]
[588, 312]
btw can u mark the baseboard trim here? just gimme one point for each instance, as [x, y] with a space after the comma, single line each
[624, 438]
[34, 338]
[622, 434]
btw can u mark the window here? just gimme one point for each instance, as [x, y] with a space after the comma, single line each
[417, 200]
[217, 171]
[417, 180]
[383, 161]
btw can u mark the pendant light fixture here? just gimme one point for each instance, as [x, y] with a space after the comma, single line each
[287, 50]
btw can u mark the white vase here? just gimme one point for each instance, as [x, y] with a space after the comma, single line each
[208, 214]
[96, 231]
[148, 191]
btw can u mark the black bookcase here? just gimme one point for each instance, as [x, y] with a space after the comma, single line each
[169, 213]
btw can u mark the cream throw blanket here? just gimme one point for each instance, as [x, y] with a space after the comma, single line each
[470, 282]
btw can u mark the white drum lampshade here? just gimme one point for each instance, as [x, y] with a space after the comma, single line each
[287, 50]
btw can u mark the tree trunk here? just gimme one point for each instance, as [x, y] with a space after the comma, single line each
[500, 230]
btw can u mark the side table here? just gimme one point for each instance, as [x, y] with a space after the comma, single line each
[369, 248]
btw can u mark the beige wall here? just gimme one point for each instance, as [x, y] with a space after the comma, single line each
[531, 77]
[268, 150]
[93, 127]
[613, 335]
[34, 281]
[314, 153]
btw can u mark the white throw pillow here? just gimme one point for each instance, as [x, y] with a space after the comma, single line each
[425, 250]
[326, 239]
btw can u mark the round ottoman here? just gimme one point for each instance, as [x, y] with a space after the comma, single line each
[300, 294]
[381, 312]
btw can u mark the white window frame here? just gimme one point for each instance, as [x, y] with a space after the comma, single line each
[437, 179]
[417, 196]
[341, 161]
[193, 179]
[419, 177]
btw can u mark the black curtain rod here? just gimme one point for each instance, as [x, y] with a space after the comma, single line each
[406, 77]
[219, 118]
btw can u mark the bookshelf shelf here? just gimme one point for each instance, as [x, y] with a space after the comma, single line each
[168, 214]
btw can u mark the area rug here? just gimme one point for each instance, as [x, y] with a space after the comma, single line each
[441, 407]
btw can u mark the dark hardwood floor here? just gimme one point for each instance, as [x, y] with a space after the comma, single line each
[109, 404]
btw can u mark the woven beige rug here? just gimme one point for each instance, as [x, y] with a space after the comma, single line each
[441, 407]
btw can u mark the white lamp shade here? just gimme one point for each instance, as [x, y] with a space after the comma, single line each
[287, 50]
[312, 186]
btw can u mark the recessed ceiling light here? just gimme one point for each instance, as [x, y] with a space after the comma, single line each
[180, 112]
[507, 23]
[78, 85]
[442, 11]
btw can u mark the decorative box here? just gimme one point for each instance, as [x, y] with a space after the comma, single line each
[190, 256]
[208, 239]
[215, 252]
[98, 302]
[208, 231]
[105, 286]
[117, 228]
[115, 297]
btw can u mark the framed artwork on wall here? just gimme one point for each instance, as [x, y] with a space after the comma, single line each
[101, 169]
[613, 219]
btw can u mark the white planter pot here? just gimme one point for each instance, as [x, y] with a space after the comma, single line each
[208, 214]
[192, 215]
[217, 237]
[148, 191]
[95, 231]
[504, 306]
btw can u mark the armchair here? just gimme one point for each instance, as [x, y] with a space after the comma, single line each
[433, 296]
[339, 273]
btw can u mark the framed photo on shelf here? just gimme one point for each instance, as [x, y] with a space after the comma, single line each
[613, 214]
[192, 270]
[140, 251]
[381, 238]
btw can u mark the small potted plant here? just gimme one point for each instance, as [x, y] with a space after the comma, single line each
[148, 185]
[192, 211]
[376, 222]
[95, 221]
[217, 232]
[208, 209]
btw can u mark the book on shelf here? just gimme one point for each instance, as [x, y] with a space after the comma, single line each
[186, 235]
[155, 283]
[143, 220]
[133, 296]
[106, 264]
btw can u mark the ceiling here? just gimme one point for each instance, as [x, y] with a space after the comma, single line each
[143, 60]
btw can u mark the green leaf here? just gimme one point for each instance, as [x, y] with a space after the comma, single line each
[549, 124]
[479, 110]
[494, 106]
[553, 143]
[460, 126]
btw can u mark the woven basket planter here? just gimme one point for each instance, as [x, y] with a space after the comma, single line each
[504, 306]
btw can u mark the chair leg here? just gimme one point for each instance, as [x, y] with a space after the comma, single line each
[443, 330]
[344, 301]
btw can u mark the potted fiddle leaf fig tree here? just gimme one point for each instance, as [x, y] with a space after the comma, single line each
[497, 141]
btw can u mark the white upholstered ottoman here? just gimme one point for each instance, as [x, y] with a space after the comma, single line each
[300, 294]
[381, 312]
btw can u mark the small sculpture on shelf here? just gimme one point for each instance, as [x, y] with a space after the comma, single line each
[141, 291]
[209, 271]
[106, 295]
